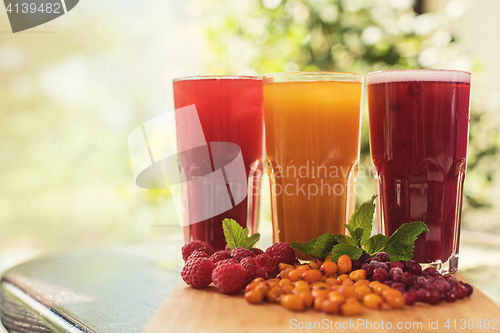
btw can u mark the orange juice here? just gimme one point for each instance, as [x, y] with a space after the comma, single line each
[313, 123]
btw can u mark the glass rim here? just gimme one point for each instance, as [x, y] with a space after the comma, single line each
[427, 74]
[312, 77]
[216, 77]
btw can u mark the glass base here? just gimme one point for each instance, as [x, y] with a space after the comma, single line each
[450, 266]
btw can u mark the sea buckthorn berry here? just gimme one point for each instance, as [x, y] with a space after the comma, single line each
[335, 287]
[331, 281]
[272, 284]
[362, 291]
[328, 258]
[254, 296]
[296, 274]
[360, 283]
[318, 292]
[348, 282]
[336, 296]
[328, 268]
[395, 300]
[287, 289]
[315, 264]
[306, 298]
[284, 273]
[284, 282]
[300, 283]
[373, 284]
[330, 306]
[373, 301]
[359, 274]
[347, 291]
[342, 277]
[344, 264]
[282, 266]
[351, 308]
[319, 284]
[299, 289]
[303, 266]
[379, 289]
[318, 300]
[250, 286]
[263, 287]
[351, 300]
[311, 275]
[273, 280]
[292, 302]
[391, 291]
[257, 280]
[273, 294]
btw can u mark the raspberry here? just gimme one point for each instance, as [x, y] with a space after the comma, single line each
[197, 254]
[198, 272]
[253, 271]
[268, 264]
[229, 278]
[226, 261]
[282, 253]
[240, 253]
[196, 245]
[220, 255]
[256, 251]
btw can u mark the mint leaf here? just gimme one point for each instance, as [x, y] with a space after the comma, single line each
[363, 218]
[356, 235]
[237, 236]
[317, 248]
[376, 243]
[343, 239]
[351, 250]
[402, 241]
[250, 241]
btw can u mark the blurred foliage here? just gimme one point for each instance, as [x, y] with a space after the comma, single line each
[255, 37]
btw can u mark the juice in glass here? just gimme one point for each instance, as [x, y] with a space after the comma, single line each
[230, 110]
[419, 125]
[313, 123]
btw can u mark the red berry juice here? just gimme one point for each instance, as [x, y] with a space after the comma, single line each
[230, 110]
[419, 126]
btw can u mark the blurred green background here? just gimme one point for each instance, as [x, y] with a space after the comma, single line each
[72, 90]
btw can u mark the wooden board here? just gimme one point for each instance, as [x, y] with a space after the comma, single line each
[205, 310]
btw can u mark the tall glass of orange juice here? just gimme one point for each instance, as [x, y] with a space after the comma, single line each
[313, 126]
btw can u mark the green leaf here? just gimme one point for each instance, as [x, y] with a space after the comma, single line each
[376, 243]
[344, 239]
[363, 218]
[351, 250]
[250, 241]
[402, 241]
[237, 236]
[317, 248]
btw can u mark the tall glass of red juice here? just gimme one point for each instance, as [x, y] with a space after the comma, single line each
[419, 128]
[230, 110]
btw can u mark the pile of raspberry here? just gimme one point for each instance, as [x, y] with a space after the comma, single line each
[231, 270]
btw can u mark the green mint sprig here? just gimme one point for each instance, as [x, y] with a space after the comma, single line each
[399, 246]
[237, 236]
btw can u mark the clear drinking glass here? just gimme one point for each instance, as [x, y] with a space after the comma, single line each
[419, 128]
[230, 111]
[313, 124]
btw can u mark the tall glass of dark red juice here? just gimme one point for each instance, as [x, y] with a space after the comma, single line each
[419, 128]
[230, 110]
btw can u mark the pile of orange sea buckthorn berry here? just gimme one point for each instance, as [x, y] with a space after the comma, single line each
[326, 286]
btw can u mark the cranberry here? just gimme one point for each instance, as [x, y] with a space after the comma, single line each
[397, 264]
[368, 269]
[365, 258]
[380, 274]
[395, 271]
[469, 288]
[434, 297]
[422, 294]
[383, 257]
[410, 298]
[450, 296]
[356, 264]
[460, 290]
[413, 267]
[407, 278]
